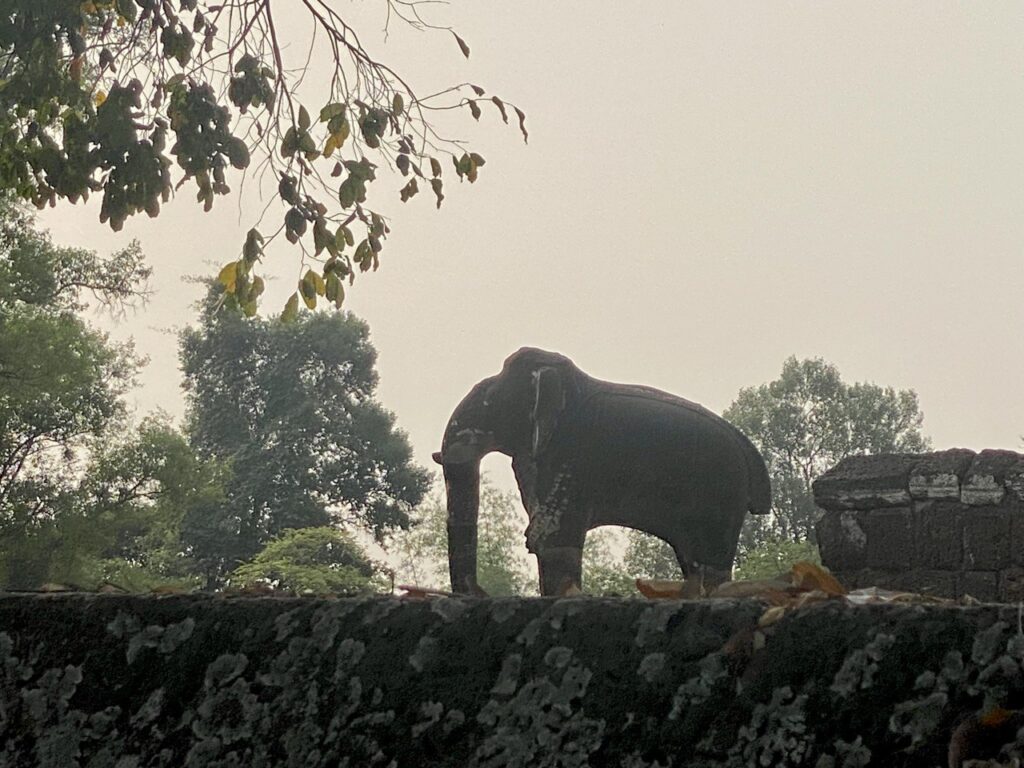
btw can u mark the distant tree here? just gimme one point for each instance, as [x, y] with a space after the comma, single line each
[61, 386]
[774, 557]
[808, 420]
[321, 560]
[502, 565]
[291, 408]
[138, 492]
[648, 557]
[603, 570]
[107, 96]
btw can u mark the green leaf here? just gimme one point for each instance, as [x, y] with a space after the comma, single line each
[347, 192]
[474, 108]
[477, 89]
[253, 246]
[436, 186]
[291, 309]
[335, 290]
[522, 124]
[308, 291]
[409, 190]
[304, 121]
[289, 143]
[330, 111]
[501, 108]
[462, 45]
[316, 281]
[435, 166]
[397, 104]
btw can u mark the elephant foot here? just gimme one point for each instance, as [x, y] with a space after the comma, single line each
[561, 569]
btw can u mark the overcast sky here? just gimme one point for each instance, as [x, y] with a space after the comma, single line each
[708, 189]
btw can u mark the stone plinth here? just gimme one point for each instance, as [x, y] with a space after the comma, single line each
[947, 523]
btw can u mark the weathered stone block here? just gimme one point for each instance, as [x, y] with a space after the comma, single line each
[1017, 536]
[986, 538]
[981, 585]
[842, 542]
[927, 582]
[1011, 585]
[985, 479]
[874, 577]
[866, 482]
[890, 538]
[1014, 479]
[938, 534]
[939, 475]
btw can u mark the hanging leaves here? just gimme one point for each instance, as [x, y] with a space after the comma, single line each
[213, 100]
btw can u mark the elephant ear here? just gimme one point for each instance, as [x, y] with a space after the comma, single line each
[548, 403]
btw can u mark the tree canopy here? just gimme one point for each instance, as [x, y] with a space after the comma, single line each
[131, 99]
[61, 382]
[291, 408]
[321, 560]
[808, 420]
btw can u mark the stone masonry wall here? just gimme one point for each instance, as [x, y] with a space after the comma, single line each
[948, 523]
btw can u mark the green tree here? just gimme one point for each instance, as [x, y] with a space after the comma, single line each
[648, 557]
[604, 573]
[291, 408]
[109, 96]
[61, 384]
[775, 556]
[808, 420]
[137, 493]
[502, 566]
[321, 560]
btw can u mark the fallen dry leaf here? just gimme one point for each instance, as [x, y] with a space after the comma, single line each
[660, 589]
[813, 577]
[771, 615]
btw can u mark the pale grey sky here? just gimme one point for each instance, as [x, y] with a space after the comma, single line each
[708, 188]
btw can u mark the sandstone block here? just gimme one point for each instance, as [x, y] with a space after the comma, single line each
[985, 479]
[1011, 585]
[842, 542]
[981, 585]
[1014, 479]
[986, 538]
[866, 482]
[939, 475]
[927, 582]
[890, 536]
[938, 535]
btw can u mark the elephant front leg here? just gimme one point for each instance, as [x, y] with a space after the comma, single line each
[561, 568]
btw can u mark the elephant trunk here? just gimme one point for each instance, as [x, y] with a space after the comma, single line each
[462, 483]
[468, 438]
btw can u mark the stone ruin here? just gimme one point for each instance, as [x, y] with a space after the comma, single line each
[948, 524]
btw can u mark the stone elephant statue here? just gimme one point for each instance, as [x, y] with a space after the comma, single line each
[588, 453]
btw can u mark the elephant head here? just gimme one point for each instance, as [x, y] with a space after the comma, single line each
[514, 413]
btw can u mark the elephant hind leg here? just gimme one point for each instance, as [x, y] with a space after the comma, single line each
[703, 571]
[560, 568]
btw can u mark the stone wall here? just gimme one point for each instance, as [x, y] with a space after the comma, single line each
[948, 523]
[107, 681]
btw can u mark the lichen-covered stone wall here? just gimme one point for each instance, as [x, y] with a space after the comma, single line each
[948, 523]
[131, 682]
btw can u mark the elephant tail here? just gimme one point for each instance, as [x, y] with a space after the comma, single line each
[759, 499]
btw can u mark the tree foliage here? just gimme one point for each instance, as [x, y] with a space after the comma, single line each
[808, 420]
[60, 384]
[502, 566]
[291, 408]
[131, 99]
[321, 560]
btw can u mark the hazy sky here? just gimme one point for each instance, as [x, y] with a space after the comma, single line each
[708, 189]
